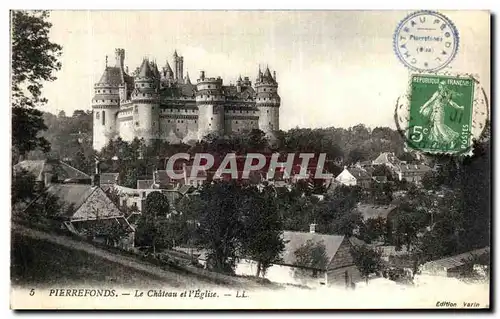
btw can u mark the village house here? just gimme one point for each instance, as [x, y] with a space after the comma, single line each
[339, 269]
[453, 266]
[87, 211]
[354, 176]
[371, 211]
[401, 170]
[132, 197]
[411, 172]
[107, 180]
[52, 171]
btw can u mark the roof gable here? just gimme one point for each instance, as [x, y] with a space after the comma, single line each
[71, 195]
[369, 211]
[294, 240]
[60, 169]
[97, 206]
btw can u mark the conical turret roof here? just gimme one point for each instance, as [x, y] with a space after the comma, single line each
[169, 69]
[111, 76]
[145, 70]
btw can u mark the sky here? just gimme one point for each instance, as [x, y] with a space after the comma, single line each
[334, 68]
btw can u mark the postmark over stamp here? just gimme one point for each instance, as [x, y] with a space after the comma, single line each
[426, 41]
[441, 113]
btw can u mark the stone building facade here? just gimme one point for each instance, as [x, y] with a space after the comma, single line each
[166, 105]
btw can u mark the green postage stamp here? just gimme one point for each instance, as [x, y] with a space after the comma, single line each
[441, 113]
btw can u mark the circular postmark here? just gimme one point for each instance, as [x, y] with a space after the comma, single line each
[442, 113]
[426, 41]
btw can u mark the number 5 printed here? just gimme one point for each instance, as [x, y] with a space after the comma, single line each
[417, 131]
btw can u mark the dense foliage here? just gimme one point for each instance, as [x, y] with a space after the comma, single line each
[34, 61]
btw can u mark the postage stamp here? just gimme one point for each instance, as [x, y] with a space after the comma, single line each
[440, 113]
[258, 180]
[426, 41]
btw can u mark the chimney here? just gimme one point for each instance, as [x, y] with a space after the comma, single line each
[96, 179]
[202, 75]
[47, 179]
[312, 228]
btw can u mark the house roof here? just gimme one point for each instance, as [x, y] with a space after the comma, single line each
[294, 240]
[56, 167]
[358, 173]
[144, 183]
[369, 211]
[184, 189]
[386, 158]
[71, 194]
[108, 178]
[413, 168]
[380, 179]
[457, 260]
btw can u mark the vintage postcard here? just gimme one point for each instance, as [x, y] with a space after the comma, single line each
[250, 160]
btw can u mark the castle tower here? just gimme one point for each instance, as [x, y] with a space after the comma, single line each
[179, 67]
[209, 99]
[145, 99]
[267, 101]
[119, 64]
[106, 103]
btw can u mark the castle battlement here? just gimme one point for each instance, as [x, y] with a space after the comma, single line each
[154, 104]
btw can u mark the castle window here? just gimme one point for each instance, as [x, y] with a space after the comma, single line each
[142, 84]
[182, 121]
[195, 121]
[209, 124]
[177, 130]
[211, 119]
[236, 122]
[97, 115]
[168, 121]
[267, 111]
[136, 123]
[143, 94]
[103, 118]
[98, 91]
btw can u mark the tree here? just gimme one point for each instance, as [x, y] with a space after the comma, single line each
[310, 255]
[157, 205]
[34, 61]
[262, 228]
[367, 260]
[23, 188]
[152, 228]
[220, 226]
[373, 229]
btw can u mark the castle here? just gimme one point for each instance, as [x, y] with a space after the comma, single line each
[165, 105]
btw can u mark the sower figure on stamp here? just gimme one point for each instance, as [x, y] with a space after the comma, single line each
[434, 110]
